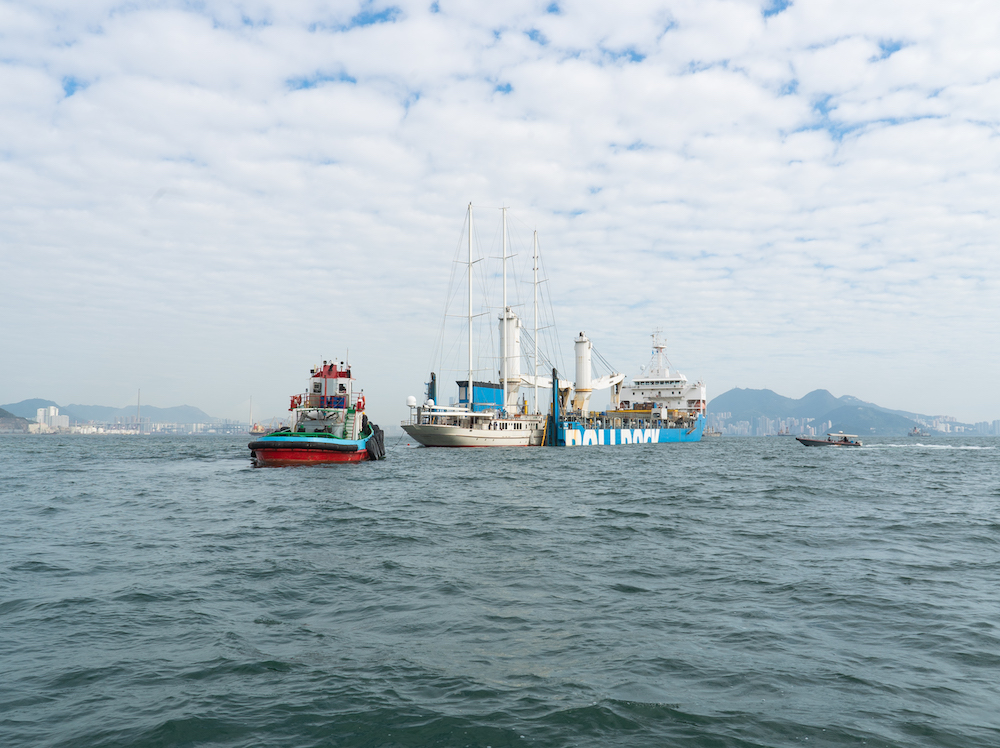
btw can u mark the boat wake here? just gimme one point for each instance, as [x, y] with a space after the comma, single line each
[956, 447]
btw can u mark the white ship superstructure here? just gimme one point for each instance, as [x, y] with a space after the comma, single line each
[663, 388]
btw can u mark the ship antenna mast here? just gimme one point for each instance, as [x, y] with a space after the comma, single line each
[471, 386]
[537, 410]
[503, 365]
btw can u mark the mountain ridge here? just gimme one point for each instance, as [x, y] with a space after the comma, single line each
[181, 414]
[847, 413]
[12, 424]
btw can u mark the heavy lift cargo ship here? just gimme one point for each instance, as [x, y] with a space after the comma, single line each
[657, 407]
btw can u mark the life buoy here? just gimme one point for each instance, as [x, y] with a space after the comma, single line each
[361, 403]
[296, 402]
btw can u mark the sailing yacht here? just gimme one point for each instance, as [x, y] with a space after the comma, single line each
[487, 414]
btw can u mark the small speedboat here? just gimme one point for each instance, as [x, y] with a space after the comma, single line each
[840, 439]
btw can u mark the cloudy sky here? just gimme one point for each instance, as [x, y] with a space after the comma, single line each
[202, 199]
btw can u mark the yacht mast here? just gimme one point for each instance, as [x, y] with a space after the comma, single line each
[471, 388]
[535, 288]
[506, 332]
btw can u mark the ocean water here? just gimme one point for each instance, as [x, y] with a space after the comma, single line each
[737, 592]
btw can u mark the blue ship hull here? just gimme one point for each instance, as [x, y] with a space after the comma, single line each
[574, 434]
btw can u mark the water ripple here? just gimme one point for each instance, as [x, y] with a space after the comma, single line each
[738, 592]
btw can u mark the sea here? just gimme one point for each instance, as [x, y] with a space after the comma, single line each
[738, 592]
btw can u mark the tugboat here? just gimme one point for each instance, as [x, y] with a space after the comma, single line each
[328, 425]
[840, 439]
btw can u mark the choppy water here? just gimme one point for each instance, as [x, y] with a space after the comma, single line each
[737, 592]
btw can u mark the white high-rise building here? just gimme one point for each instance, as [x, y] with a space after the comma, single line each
[50, 418]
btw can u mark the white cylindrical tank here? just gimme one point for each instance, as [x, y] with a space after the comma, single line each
[583, 376]
[510, 353]
[583, 347]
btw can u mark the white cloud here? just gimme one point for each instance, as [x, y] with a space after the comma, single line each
[204, 200]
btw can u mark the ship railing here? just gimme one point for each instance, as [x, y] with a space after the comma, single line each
[634, 422]
[330, 401]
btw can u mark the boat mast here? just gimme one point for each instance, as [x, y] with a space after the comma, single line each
[536, 322]
[505, 331]
[471, 387]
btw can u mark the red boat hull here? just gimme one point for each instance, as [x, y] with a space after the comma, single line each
[289, 456]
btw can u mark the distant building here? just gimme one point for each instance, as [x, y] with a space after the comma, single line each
[48, 419]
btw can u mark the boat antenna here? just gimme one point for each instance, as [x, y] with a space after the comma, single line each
[503, 324]
[535, 289]
[471, 388]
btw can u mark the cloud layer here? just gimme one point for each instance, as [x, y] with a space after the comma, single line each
[202, 200]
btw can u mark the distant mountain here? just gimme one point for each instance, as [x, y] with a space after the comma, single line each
[176, 414]
[9, 423]
[862, 420]
[746, 405]
[849, 400]
[28, 408]
[848, 413]
[817, 401]
[106, 414]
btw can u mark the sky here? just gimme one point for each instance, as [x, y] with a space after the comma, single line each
[201, 200]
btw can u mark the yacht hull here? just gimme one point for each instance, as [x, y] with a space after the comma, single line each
[440, 435]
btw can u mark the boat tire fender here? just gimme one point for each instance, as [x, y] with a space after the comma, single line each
[376, 444]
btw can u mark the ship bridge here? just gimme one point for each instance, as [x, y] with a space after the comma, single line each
[662, 388]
